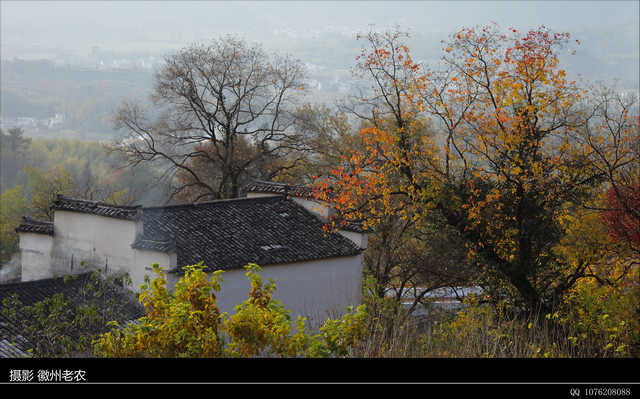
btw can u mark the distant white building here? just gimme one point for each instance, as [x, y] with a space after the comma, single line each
[276, 226]
[56, 121]
[444, 298]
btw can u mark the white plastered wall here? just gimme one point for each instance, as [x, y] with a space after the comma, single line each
[103, 243]
[100, 242]
[255, 194]
[318, 208]
[315, 289]
[360, 239]
[142, 261]
[35, 256]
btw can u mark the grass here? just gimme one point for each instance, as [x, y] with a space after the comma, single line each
[480, 332]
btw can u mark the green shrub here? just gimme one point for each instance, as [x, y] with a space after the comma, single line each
[188, 323]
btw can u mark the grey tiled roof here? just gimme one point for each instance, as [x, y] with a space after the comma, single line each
[231, 233]
[260, 186]
[158, 244]
[96, 208]
[29, 225]
[13, 349]
[12, 343]
[351, 225]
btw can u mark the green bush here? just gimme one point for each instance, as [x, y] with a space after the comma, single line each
[187, 322]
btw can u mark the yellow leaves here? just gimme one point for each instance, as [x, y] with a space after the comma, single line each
[537, 169]
[506, 135]
[604, 315]
[494, 195]
[564, 147]
[191, 325]
[470, 254]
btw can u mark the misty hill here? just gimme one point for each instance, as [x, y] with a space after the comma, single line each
[84, 93]
[34, 91]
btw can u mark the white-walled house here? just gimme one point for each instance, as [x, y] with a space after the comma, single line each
[318, 273]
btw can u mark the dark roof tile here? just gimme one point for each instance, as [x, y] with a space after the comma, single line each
[13, 349]
[260, 186]
[306, 192]
[29, 225]
[12, 344]
[154, 245]
[96, 208]
[231, 233]
[351, 225]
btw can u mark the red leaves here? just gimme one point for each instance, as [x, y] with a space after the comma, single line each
[621, 216]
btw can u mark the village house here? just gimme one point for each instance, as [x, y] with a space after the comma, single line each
[276, 226]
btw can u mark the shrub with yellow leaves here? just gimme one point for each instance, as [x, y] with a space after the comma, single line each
[187, 322]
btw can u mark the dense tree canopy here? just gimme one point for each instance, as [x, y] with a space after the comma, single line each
[498, 142]
[14, 148]
[12, 207]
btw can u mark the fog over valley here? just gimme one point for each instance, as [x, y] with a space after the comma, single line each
[67, 65]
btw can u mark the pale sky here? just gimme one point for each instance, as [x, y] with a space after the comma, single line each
[76, 24]
[608, 30]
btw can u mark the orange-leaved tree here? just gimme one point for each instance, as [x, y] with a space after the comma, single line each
[492, 141]
[408, 256]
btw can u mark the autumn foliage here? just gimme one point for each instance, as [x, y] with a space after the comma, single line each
[186, 322]
[622, 216]
[496, 140]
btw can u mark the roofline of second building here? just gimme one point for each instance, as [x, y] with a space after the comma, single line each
[196, 204]
[30, 225]
[180, 270]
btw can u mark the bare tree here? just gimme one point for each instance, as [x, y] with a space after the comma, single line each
[211, 102]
